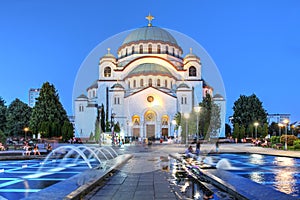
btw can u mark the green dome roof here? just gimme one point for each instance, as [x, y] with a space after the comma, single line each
[150, 33]
[149, 69]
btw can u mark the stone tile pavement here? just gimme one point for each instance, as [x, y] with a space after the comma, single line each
[142, 177]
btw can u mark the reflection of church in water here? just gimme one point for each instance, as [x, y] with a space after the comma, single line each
[145, 85]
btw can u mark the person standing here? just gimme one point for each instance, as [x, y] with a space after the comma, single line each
[197, 152]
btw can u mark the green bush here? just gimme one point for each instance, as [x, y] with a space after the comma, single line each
[275, 139]
[296, 142]
[297, 146]
[290, 139]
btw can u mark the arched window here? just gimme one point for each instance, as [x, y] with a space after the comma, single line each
[141, 82]
[167, 50]
[173, 51]
[132, 50]
[158, 82]
[149, 48]
[158, 48]
[166, 83]
[192, 71]
[134, 83]
[126, 52]
[141, 48]
[107, 72]
[150, 82]
[129, 84]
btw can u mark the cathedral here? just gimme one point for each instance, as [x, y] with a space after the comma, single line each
[144, 85]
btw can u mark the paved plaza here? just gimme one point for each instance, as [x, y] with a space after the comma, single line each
[144, 177]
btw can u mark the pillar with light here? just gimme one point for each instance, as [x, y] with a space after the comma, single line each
[186, 116]
[279, 127]
[286, 122]
[112, 127]
[197, 110]
[26, 129]
[256, 124]
[174, 125]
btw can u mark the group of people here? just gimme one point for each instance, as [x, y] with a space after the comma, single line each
[190, 153]
[27, 148]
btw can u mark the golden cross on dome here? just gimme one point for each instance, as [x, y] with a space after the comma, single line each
[149, 18]
[108, 50]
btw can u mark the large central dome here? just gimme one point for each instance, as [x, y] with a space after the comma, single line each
[150, 33]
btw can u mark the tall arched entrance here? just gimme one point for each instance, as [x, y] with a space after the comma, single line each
[150, 119]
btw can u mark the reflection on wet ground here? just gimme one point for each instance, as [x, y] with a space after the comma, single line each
[188, 183]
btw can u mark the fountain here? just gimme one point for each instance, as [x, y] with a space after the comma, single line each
[80, 163]
[224, 164]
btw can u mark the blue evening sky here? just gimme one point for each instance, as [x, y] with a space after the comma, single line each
[254, 43]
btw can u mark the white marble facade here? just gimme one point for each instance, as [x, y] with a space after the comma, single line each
[145, 85]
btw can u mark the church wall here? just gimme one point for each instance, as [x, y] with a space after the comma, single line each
[138, 105]
[184, 101]
[85, 122]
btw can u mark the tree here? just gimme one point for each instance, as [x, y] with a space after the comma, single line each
[265, 130]
[242, 132]
[67, 131]
[48, 109]
[236, 131]
[247, 110]
[102, 113]
[273, 129]
[250, 130]
[18, 116]
[210, 120]
[227, 130]
[3, 109]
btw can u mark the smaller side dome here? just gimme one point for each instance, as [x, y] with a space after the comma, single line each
[183, 85]
[117, 85]
[82, 96]
[191, 55]
[150, 69]
[218, 97]
[109, 54]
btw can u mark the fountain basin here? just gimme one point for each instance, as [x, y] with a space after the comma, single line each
[78, 185]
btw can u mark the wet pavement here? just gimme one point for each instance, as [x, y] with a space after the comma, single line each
[147, 174]
[144, 177]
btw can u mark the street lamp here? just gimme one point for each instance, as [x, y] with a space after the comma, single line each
[186, 116]
[112, 127]
[286, 121]
[99, 118]
[279, 127]
[26, 129]
[174, 124]
[197, 110]
[256, 124]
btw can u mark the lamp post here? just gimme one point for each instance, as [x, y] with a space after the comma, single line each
[174, 124]
[112, 127]
[279, 127]
[186, 116]
[197, 110]
[26, 129]
[256, 124]
[286, 121]
[99, 115]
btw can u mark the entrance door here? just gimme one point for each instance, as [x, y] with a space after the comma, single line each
[164, 132]
[150, 130]
[136, 132]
